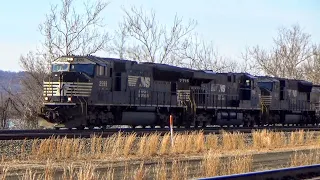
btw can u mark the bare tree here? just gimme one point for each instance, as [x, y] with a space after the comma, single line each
[66, 31]
[249, 64]
[312, 66]
[4, 110]
[198, 54]
[142, 38]
[118, 46]
[8, 107]
[291, 49]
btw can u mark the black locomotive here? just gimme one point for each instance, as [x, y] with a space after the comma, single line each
[90, 91]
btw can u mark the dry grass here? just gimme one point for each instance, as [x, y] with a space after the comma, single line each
[309, 158]
[164, 145]
[85, 172]
[141, 172]
[142, 145]
[211, 142]
[212, 165]
[232, 141]
[4, 172]
[268, 139]
[121, 147]
[237, 164]
[152, 144]
[128, 145]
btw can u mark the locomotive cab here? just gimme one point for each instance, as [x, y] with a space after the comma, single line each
[68, 88]
[70, 79]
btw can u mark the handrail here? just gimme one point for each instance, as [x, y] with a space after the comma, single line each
[295, 172]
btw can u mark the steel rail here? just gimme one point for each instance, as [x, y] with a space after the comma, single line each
[301, 172]
[87, 133]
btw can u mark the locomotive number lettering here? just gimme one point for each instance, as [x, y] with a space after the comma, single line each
[143, 93]
[79, 59]
[184, 80]
[103, 83]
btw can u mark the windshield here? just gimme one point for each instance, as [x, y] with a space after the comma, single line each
[266, 85]
[60, 67]
[85, 68]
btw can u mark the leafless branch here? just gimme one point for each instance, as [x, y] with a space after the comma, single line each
[68, 32]
[201, 55]
[142, 37]
[312, 66]
[291, 48]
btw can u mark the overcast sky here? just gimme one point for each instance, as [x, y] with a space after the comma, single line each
[230, 24]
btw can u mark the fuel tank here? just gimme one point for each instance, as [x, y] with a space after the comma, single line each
[292, 118]
[138, 118]
[229, 118]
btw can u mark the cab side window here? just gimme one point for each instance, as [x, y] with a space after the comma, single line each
[100, 70]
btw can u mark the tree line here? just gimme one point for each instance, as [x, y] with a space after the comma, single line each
[141, 37]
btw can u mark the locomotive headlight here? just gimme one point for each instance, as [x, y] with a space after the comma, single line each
[69, 99]
[46, 98]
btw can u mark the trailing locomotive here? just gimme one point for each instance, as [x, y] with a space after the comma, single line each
[90, 91]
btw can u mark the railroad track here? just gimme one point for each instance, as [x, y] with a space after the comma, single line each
[73, 133]
[301, 172]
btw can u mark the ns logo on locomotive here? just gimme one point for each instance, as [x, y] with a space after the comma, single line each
[90, 91]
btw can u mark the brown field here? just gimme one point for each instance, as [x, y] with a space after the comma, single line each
[150, 156]
[211, 165]
[305, 158]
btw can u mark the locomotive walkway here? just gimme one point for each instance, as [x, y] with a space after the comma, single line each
[86, 133]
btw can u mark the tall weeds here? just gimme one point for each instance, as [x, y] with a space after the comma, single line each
[268, 139]
[169, 157]
[210, 164]
[120, 146]
[305, 158]
[232, 141]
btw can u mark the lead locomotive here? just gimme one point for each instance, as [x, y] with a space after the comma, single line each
[90, 91]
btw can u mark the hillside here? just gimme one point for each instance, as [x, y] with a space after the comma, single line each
[10, 80]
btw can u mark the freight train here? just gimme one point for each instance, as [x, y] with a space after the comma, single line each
[90, 91]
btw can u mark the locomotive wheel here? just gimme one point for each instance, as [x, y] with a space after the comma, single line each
[80, 127]
[251, 124]
[204, 124]
[196, 124]
[187, 126]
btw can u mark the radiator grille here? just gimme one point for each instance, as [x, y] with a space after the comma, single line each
[266, 100]
[67, 89]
